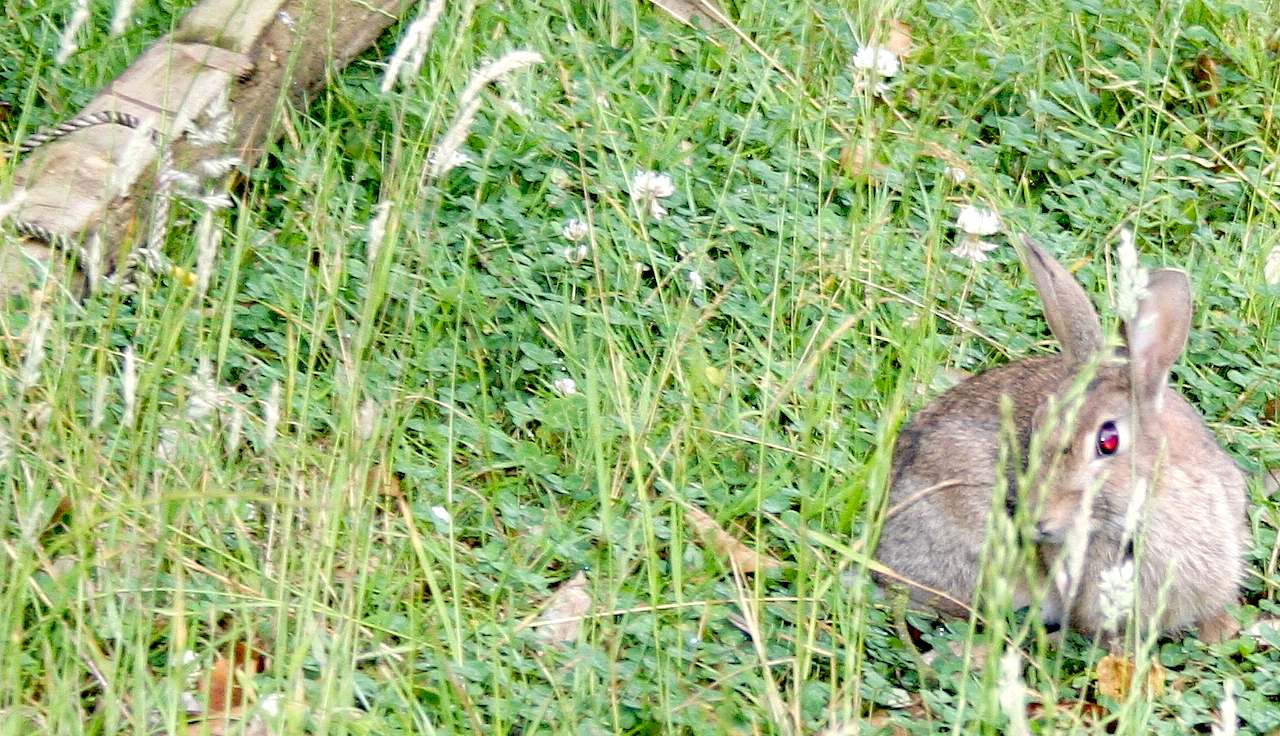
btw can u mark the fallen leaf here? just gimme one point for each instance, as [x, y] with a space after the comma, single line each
[224, 700]
[899, 41]
[1208, 77]
[713, 535]
[224, 687]
[1115, 677]
[562, 615]
[686, 11]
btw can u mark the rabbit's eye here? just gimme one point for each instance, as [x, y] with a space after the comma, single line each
[1108, 439]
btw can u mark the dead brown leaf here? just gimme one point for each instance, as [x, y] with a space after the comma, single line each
[1271, 410]
[1116, 674]
[1208, 77]
[227, 695]
[899, 41]
[714, 536]
[224, 687]
[685, 11]
[562, 614]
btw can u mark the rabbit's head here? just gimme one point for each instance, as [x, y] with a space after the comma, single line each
[1104, 433]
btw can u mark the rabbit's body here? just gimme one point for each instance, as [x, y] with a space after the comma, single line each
[1128, 430]
[937, 507]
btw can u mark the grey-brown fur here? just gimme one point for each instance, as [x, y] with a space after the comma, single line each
[1192, 535]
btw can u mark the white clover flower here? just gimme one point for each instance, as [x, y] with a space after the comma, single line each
[1271, 271]
[565, 386]
[878, 59]
[696, 281]
[647, 187]
[972, 248]
[874, 66]
[956, 174]
[1115, 593]
[974, 220]
[575, 230]
[1131, 279]
[575, 253]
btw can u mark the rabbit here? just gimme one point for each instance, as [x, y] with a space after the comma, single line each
[1192, 532]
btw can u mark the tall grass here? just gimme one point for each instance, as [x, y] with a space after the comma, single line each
[376, 457]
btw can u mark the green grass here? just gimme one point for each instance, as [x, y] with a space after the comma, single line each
[831, 310]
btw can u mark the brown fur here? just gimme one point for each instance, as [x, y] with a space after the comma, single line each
[1192, 536]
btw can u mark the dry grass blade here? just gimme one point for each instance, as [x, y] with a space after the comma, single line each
[562, 614]
[728, 546]
[686, 11]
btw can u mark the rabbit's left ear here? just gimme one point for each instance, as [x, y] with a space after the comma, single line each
[1157, 336]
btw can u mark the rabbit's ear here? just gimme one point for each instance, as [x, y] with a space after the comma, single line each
[1158, 334]
[1071, 315]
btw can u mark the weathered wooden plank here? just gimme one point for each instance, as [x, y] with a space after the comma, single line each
[254, 52]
